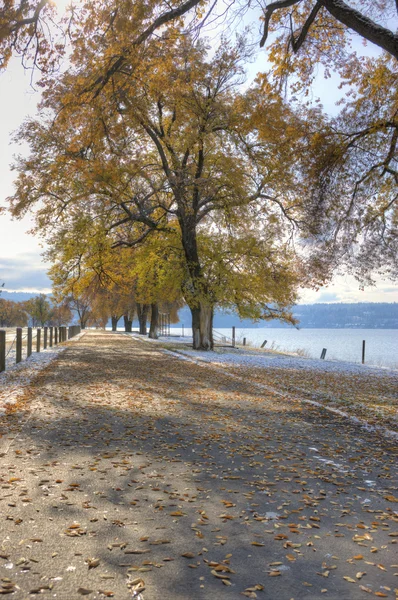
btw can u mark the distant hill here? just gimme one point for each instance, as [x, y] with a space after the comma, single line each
[18, 296]
[362, 315]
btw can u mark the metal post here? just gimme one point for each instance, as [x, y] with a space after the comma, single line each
[363, 352]
[29, 343]
[18, 353]
[45, 336]
[244, 341]
[2, 351]
[323, 354]
[263, 344]
[233, 337]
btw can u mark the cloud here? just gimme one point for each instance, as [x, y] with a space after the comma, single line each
[328, 297]
[24, 273]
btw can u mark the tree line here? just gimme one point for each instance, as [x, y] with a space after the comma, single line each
[91, 309]
[37, 312]
[157, 178]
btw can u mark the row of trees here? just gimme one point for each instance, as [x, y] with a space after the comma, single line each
[157, 176]
[38, 311]
[92, 307]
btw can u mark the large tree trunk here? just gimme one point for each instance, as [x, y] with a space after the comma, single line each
[206, 326]
[128, 323]
[142, 313]
[202, 327]
[114, 322]
[154, 326]
[201, 308]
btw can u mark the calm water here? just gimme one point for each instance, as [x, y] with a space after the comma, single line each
[341, 344]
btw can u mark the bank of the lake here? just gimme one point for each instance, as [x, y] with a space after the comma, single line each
[341, 344]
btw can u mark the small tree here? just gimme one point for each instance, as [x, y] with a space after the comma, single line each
[12, 314]
[61, 315]
[39, 309]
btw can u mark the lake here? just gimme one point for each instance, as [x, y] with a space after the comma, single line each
[341, 344]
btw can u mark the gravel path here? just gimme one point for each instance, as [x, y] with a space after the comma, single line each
[122, 468]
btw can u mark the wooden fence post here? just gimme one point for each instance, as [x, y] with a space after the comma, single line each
[263, 344]
[18, 348]
[2, 351]
[55, 336]
[45, 337]
[244, 341]
[38, 340]
[51, 336]
[233, 337]
[323, 354]
[29, 343]
[363, 352]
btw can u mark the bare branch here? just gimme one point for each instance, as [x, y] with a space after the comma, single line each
[298, 42]
[271, 8]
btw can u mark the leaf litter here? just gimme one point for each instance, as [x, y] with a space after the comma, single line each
[133, 456]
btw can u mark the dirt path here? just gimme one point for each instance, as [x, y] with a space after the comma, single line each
[136, 465]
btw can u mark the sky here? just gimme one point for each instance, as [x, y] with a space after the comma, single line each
[21, 265]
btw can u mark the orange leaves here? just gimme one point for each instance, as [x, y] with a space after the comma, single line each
[75, 530]
[363, 538]
[258, 544]
[391, 498]
[228, 504]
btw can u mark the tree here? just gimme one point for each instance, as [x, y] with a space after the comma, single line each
[352, 162]
[12, 314]
[307, 33]
[61, 315]
[165, 159]
[317, 30]
[39, 310]
[319, 24]
[157, 266]
[25, 27]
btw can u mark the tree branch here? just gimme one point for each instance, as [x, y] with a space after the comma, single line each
[166, 17]
[382, 37]
[298, 42]
[271, 8]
